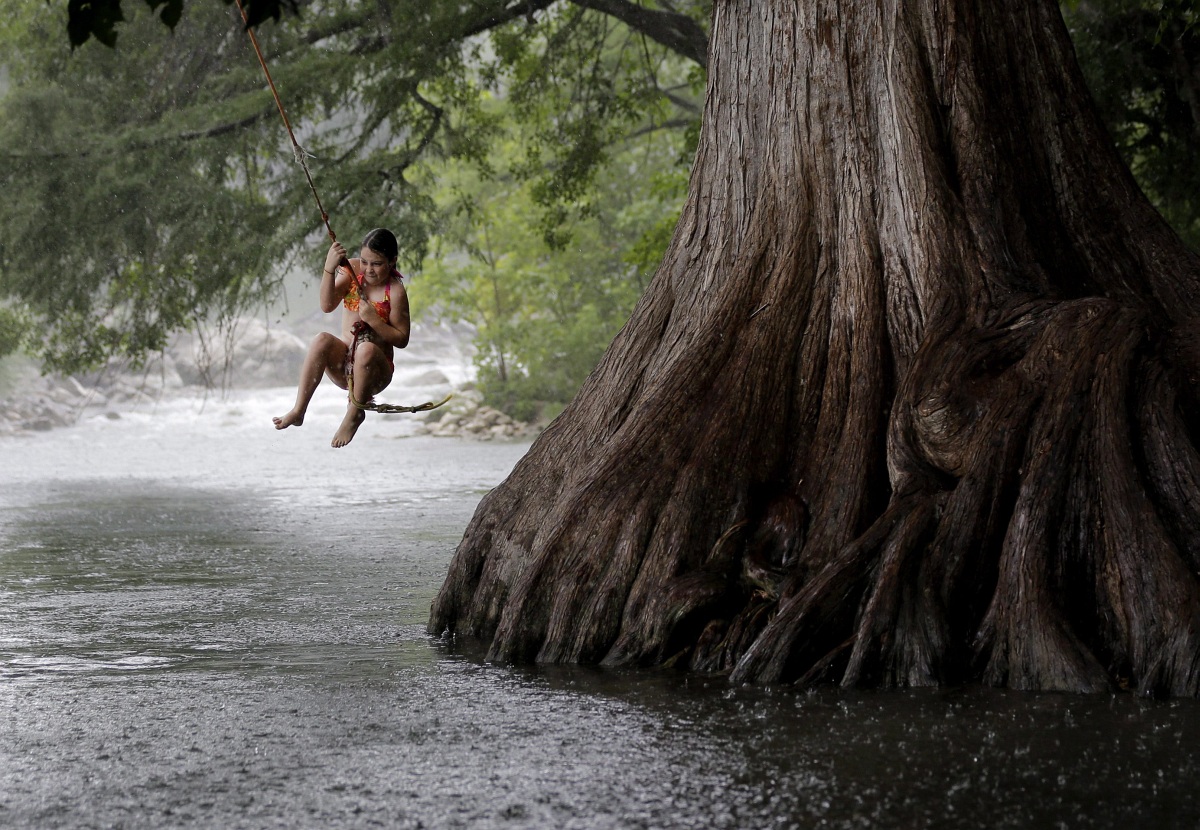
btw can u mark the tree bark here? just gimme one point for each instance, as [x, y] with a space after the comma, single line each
[912, 399]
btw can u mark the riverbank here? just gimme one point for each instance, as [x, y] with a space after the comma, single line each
[255, 357]
[51, 403]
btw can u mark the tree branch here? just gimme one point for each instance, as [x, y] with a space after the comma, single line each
[145, 143]
[525, 9]
[670, 124]
[427, 136]
[677, 32]
[679, 101]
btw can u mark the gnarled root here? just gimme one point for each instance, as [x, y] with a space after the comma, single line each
[1049, 538]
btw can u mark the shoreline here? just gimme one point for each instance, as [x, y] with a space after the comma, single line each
[262, 360]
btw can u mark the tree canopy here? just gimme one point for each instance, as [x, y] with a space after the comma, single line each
[182, 201]
[545, 313]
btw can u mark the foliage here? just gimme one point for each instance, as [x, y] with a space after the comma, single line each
[581, 84]
[546, 312]
[550, 237]
[1142, 63]
[14, 329]
[99, 18]
[119, 226]
[168, 163]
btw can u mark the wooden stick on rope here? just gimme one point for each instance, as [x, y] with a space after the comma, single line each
[301, 157]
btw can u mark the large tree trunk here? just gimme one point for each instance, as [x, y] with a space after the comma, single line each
[911, 400]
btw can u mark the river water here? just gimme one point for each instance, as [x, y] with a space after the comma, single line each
[206, 623]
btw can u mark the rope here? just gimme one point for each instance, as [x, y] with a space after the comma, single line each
[389, 408]
[360, 332]
[297, 150]
[301, 157]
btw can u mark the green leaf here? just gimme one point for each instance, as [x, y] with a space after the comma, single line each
[93, 18]
[172, 11]
[259, 11]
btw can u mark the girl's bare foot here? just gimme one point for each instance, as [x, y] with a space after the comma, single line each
[292, 419]
[350, 424]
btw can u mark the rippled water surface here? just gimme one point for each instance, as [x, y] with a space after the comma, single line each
[205, 623]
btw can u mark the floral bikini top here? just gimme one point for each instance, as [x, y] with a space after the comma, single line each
[383, 307]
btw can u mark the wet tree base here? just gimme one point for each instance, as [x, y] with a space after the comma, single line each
[911, 401]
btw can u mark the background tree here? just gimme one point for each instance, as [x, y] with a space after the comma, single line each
[545, 312]
[1141, 59]
[911, 399]
[120, 226]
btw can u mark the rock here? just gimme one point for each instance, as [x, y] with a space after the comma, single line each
[433, 377]
[489, 417]
[80, 390]
[255, 356]
[61, 395]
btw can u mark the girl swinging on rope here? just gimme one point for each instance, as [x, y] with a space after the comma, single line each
[373, 326]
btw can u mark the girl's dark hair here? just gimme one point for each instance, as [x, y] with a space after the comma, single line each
[383, 242]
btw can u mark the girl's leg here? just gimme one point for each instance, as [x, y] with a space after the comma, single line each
[326, 354]
[372, 374]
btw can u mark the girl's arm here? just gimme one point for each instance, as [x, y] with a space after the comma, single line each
[335, 283]
[399, 316]
[393, 330]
